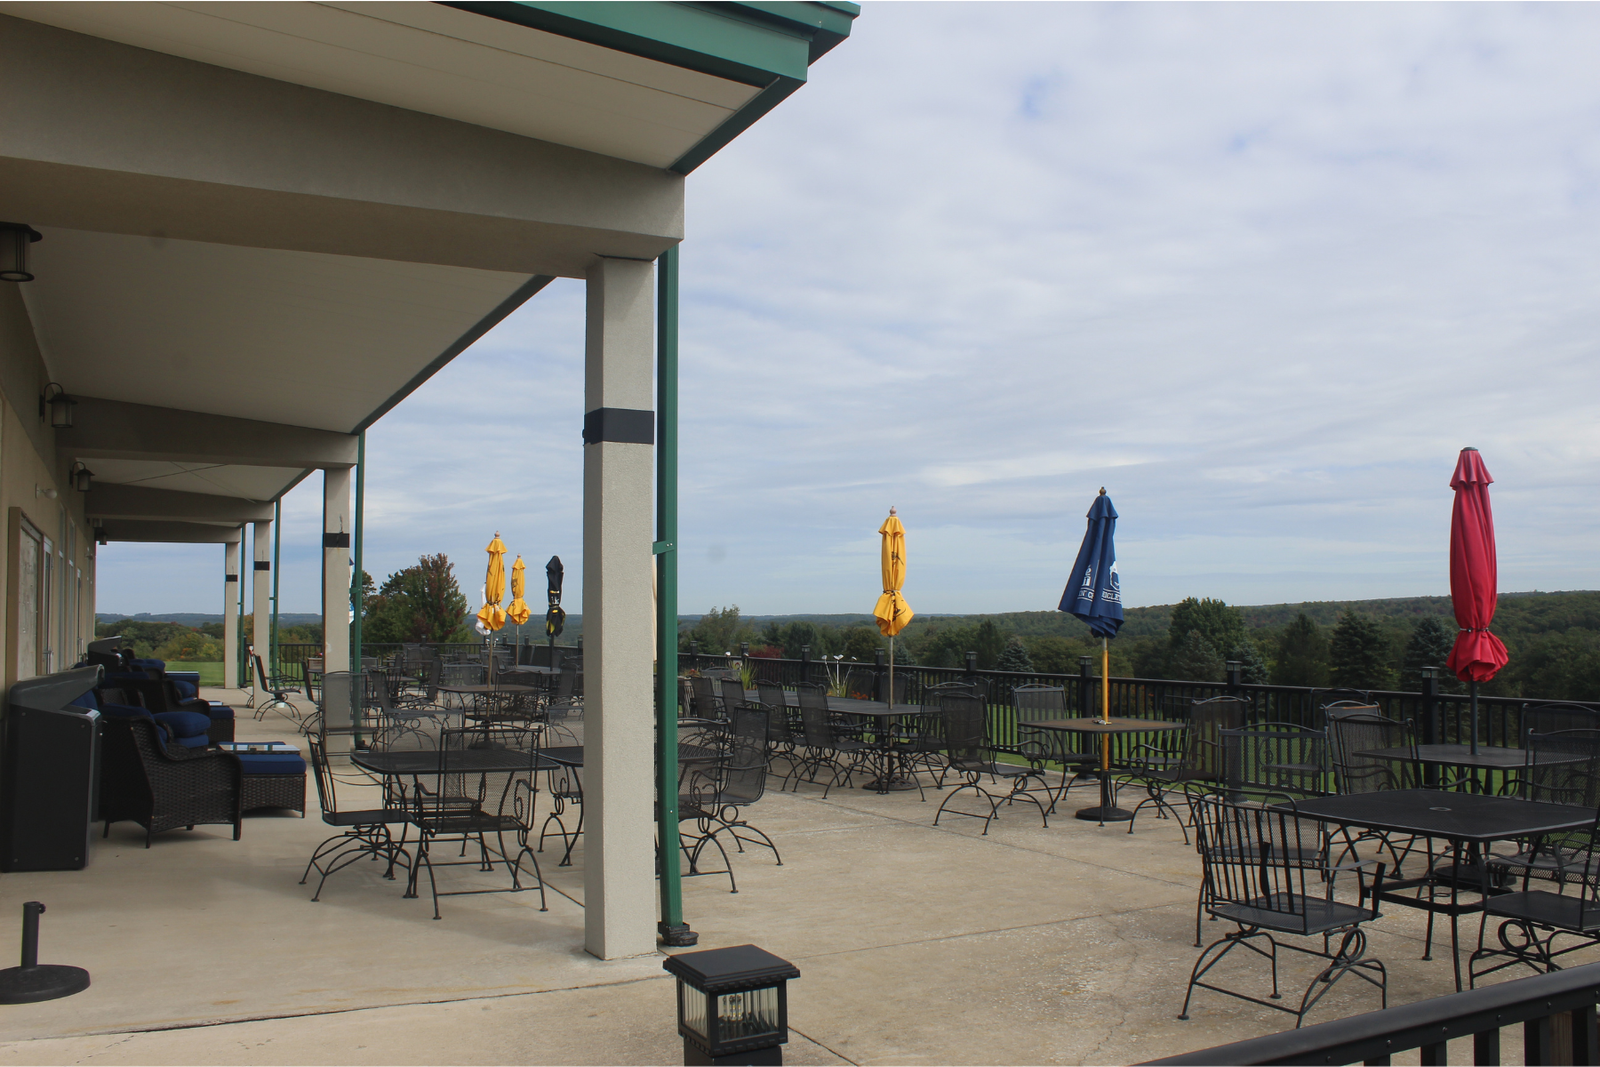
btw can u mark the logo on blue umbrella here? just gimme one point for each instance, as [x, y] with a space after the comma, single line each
[1097, 599]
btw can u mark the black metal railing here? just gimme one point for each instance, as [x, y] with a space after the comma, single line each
[1439, 717]
[1556, 1010]
[292, 656]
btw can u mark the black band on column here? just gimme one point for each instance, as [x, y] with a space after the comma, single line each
[230, 577]
[335, 540]
[628, 426]
[263, 564]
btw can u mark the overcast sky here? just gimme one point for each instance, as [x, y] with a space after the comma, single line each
[1260, 270]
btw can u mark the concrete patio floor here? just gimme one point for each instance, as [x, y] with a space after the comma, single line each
[1068, 944]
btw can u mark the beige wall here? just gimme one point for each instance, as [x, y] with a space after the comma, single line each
[28, 462]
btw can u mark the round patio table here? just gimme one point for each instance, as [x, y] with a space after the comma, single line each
[1106, 811]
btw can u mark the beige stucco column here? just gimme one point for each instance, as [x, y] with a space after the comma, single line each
[261, 594]
[618, 454]
[336, 568]
[231, 591]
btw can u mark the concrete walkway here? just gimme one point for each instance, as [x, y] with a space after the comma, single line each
[917, 944]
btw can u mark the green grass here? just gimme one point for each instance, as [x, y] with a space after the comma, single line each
[210, 670]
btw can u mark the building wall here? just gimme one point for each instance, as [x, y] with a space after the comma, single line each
[29, 465]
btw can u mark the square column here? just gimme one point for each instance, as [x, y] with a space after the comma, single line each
[261, 596]
[618, 455]
[231, 591]
[336, 569]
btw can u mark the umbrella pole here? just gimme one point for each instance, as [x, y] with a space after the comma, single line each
[1472, 687]
[891, 670]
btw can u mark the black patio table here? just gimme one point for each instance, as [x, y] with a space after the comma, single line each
[889, 778]
[1487, 758]
[1468, 821]
[1107, 810]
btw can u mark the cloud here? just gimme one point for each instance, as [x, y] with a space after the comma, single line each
[1260, 270]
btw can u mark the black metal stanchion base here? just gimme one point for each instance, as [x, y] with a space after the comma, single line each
[1097, 814]
[679, 936]
[48, 981]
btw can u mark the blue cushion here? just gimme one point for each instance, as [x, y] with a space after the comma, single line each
[184, 723]
[193, 742]
[123, 711]
[272, 763]
[186, 690]
[87, 701]
[220, 712]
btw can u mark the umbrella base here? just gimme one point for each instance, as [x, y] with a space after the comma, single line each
[891, 785]
[49, 981]
[1099, 814]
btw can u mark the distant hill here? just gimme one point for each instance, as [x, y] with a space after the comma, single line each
[193, 618]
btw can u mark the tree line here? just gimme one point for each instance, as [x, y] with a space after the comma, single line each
[1553, 639]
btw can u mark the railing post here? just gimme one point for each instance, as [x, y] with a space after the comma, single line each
[805, 663]
[1585, 1040]
[1235, 674]
[1430, 706]
[972, 665]
[744, 649]
[1486, 1046]
[1085, 664]
[877, 674]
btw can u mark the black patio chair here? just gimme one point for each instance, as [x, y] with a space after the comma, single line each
[362, 832]
[861, 683]
[1555, 718]
[974, 757]
[1197, 764]
[707, 701]
[169, 787]
[1564, 768]
[1077, 756]
[486, 812]
[719, 795]
[825, 744]
[1355, 730]
[733, 696]
[785, 735]
[1247, 856]
[277, 687]
[396, 718]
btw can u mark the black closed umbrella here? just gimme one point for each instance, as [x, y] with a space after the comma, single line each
[554, 618]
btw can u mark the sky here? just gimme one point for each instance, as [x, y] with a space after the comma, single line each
[1259, 270]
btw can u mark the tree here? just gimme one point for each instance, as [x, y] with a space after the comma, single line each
[1429, 646]
[1220, 625]
[1196, 660]
[1302, 654]
[860, 643]
[1015, 658]
[719, 630]
[1252, 668]
[1359, 654]
[988, 642]
[420, 603]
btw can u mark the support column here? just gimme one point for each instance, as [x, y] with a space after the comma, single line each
[336, 569]
[618, 432]
[261, 596]
[232, 588]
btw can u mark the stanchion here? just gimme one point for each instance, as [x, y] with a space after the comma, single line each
[34, 981]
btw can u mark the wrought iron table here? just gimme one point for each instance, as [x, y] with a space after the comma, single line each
[1467, 821]
[889, 779]
[1107, 810]
[1487, 758]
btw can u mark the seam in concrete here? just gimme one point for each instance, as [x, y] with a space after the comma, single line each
[831, 1050]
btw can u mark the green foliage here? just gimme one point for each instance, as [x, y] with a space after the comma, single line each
[1358, 654]
[1196, 660]
[860, 643]
[1015, 658]
[1220, 625]
[1054, 655]
[423, 602]
[1302, 654]
[145, 637]
[719, 630]
[193, 645]
[1428, 646]
[1252, 668]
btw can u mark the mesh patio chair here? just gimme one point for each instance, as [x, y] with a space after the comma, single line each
[564, 790]
[861, 683]
[1562, 768]
[1555, 718]
[1077, 759]
[361, 833]
[732, 695]
[275, 687]
[718, 797]
[395, 718]
[1198, 765]
[973, 756]
[1253, 881]
[929, 726]
[785, 735]
[1355, 731]
[487, 812]
[707, 700]
[825, 745]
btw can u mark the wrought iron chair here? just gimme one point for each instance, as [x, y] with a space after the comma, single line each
[717, 796]
[825, 745]
[707, 701]
[1040, 702]
[1198, 764]
[733, 696]
[973, 756]
[276, 687]
[785, 734]
[362, 833]
[395, 718]
[460, 803]
[1554, 718]
[926, 731]
[1248, 858]
[861, 683]
[1563, 768]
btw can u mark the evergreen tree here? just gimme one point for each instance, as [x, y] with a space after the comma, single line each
[1196, 660]
[988, 642]
[1359, 654]
[1253, 669]
[1302, 654]
[1429, 646]
[1015, 658]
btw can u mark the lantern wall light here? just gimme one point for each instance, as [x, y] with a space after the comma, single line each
[15, 237]
[80, 476]
[58, 404]
[733, 1005]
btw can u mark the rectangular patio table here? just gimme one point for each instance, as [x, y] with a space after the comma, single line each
[1487, 758]
[1467, 821]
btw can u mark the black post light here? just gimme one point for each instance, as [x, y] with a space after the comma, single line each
[15, 237]
[80, 476]
[733, 1005]
[59, 405]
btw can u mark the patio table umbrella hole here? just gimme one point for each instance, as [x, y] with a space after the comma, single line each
[733, 1004]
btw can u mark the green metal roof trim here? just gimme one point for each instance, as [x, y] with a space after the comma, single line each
[768, 45]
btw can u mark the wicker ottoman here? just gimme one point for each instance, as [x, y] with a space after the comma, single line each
[274, 775]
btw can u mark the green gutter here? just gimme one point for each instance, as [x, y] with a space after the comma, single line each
[277, 553]
[355, 572]
[674, 931]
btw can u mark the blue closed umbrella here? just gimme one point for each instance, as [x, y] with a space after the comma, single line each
[1094, 595]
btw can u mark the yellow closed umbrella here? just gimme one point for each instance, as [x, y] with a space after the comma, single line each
[492, 615]
[518, 612]
[892, 611]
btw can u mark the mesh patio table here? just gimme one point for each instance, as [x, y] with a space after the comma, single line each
[890, 775]
[1487, 758]
[1107, 810]
[1466, 821]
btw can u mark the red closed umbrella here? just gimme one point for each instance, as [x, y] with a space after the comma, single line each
[1478, 654]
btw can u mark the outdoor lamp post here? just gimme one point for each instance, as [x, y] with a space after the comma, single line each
[14, 241]
[59, 404]
[733, 1005]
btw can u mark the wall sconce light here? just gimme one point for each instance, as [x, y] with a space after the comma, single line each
[41, 491]
[80, 477]
[100, 535]
[59, 404]
[733, 1004]
[15, 238]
